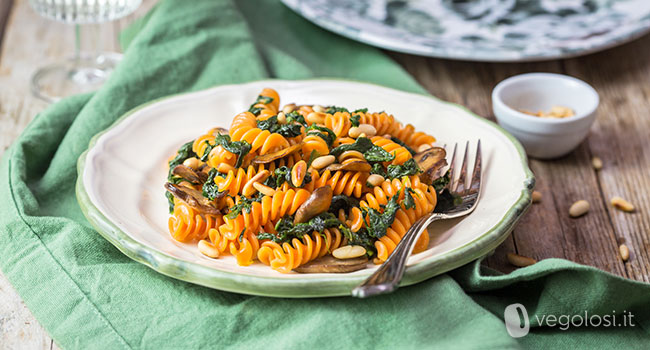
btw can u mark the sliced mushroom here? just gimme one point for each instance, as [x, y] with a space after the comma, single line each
[189, 174]
[330, 264]
[319, 201]
[193, 198]
[359, 165]
[269, 157]
[431, 161]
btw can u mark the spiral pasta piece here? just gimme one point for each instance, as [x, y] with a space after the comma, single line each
[186, 224]
[287, 256]
[401, 153]
[272, 208]
[412, 138]
[314, 143]
[244, 128]
[342, 182]
[236, 238]
[338, 122]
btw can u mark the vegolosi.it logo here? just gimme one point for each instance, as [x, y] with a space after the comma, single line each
[518, 323]
[514, 320]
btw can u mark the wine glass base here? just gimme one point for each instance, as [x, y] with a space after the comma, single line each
[74, 76]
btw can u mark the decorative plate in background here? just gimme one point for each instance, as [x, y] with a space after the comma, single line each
[483, 30]
[120, 184]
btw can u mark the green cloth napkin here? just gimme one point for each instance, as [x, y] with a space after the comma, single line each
[88, 295]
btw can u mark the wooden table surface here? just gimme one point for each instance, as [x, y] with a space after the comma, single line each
[619, 137]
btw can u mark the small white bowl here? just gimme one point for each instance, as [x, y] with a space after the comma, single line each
[545, 138]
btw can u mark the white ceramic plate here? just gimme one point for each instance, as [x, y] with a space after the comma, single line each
[483, 30]
[121, 177]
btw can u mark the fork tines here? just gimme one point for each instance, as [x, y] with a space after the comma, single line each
[465, 182]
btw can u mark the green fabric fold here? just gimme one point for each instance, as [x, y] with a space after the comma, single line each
[88, 295]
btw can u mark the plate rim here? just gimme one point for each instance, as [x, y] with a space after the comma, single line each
[429, 51]
[338, 285]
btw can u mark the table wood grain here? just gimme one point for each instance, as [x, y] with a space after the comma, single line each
[619, 137]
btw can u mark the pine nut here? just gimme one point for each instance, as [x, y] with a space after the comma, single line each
[248, 189]
[316, 118]
[537, 196]
[298, 173]
[225, 168]
[289, 108]
[375, 179]
[424, 147]
[624, 251]
[350, 155]
[318, 108]
[265, 190]
[208, 249]
[519, 260]
[282, 118]
[597, 163]
[621, 204]
[579, 208]
[367, 129]
[322, 161]
[349, 252]
[192, 163]
[363, 135]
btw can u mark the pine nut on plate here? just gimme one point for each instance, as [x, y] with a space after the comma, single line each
[323, 161]
[349, 252]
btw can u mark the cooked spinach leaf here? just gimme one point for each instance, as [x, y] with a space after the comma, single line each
[377, 154]
[244, 204]
[409, 201]
[334, 109]
[287, 230]
[344, 202]
[361, 238]
[241, 235]
[440, 183]
[170, 201]
[378, 169]
[210, 189]
[371, 152]
[295, 117]
[240, 148]
[272, 125]
[260, 99]
[355, 119]
[327, 134]
[410, 167]
[378, 222]
[183, 153]
[446, 201]
[283, 174]
[361, 110]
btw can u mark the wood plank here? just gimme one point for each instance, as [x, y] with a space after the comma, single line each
[620, 137]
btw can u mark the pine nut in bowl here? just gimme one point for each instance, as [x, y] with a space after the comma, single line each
[550, 114]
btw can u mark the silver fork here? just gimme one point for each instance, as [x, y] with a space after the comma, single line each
[386, 279]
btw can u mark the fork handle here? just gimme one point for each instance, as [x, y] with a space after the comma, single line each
[387, 277]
